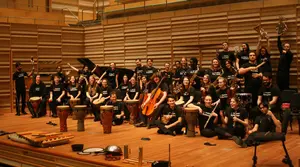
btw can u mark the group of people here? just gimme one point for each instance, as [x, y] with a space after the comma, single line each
[232, 96]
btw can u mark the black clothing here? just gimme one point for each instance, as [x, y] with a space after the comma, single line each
[284, 65]
[118, 108]
[214, 74]
[186, 93]
[62, 77]
[224, 96]
[225, 55]
[73, 90]
[111, 77]
[123, 88]
[191, 72]
[149, 71]
[105, 91]
[152, 85]
[268, 93]
[240, 113]
[180, 73]
[86, 74]
[139, 72]
[41, 109]
[38, 90]
[243, 57]
[202, 118]
[18, 76]
[132, 90]
[267, 67]
[56, 90]
[229, 75]
[168, 77]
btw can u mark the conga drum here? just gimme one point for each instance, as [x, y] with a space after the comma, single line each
[74, 102]
[80, 112]
[106, 117]
[191, 119]
[35, 101]
[133, 107]
[63, 113]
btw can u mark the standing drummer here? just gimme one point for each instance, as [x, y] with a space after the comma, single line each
[37, 89]
[118, 110]
[18, 76]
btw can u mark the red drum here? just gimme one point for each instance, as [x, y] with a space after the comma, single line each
[191, 119]
[35, 101]
[63, 113]
[133, 108]
[106, 118]
[80, 112]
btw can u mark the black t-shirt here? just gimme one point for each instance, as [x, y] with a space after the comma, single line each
[267, 67]
[19, 80]
[118, 107]
[186, 93]
[163, 86]
[240, 113]
[251, 82]
[105, 91]
[73, 90]
[139, 71]
[123, 88]
[286, 59]
[57, 90]
[268, 93]
[168, 77]
[225, 55]
[86, 74]
[176, 112]
[90, 90]
[62, 77]
[190, 72]
[37, 90]
[180, 73]
[229, 75]
[149, 71]
[214, 74]
[223, 95]
[132, 90]
[111, 75]
[206, 113]
[243, 58]
[265, 123]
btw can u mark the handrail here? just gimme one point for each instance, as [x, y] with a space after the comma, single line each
[76, 17]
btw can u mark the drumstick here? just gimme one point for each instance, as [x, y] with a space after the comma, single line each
[210, 115]
[261, 64]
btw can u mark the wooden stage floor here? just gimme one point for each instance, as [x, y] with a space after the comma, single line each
[185, 152]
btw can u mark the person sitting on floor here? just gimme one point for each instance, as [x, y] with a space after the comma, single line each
[266, 128]
[118, 111]
[171, 120]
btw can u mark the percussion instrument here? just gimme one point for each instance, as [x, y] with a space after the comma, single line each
[191, 119]
[261, 31]
[178, 103]
[245, 99]
[35, 101]
[133, 107]
[106, 117]
[74, 102]
[44, 139]
[63, 113]
[80, 112]
[281, 27]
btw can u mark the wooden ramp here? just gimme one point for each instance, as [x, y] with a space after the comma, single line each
[185, 151]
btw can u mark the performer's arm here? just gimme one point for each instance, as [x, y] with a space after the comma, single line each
[117, 82]
[279, 45]
[259, 100]
[162, 99]
[75, 69]
[188, 102]
[174, 123]
[274, 100]
[255, 128]
[258, 45]
[276, 121]
[79, 93]
[62, 95]
[136, 95]
[245, 70]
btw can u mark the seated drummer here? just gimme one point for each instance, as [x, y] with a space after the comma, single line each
[266, 128]
[158, 106]
[73, 89]
[133, 90]
[203, 116]
[270, 94]
[57, 93]
[123, 88]
[105, 91]
[118, 111]
[92, 92]
[236, 121]
[38, 89]
[171, 120]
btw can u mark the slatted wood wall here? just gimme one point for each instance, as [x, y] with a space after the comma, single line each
[198, 32]
[48, 45]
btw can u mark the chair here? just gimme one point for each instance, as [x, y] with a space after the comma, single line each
[286, 96]
[295, 108]
[286, 159]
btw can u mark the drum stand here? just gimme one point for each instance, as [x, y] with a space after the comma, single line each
[140, 162]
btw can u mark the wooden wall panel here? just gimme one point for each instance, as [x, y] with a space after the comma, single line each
[94, 44]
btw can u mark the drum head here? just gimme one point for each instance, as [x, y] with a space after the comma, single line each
[107, 107]
[131, 101]
[34, 99]
[93, 150]
[63, 107]
[80, 106]
[191, 109]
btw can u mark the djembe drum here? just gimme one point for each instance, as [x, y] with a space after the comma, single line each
[80, 112]
[133, 108]
[35, 101]
[63, 113]
[106, 117]
[191, 119]
[74, 102]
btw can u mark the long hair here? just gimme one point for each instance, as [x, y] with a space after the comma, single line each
[92, 87]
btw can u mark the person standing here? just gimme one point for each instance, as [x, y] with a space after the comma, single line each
[284, 65]
[18, 77]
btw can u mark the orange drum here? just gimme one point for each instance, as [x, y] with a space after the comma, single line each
[63, 113]
[35, 101]
[106, 117]
[191, 115]
[80, 112]
[133, 108]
